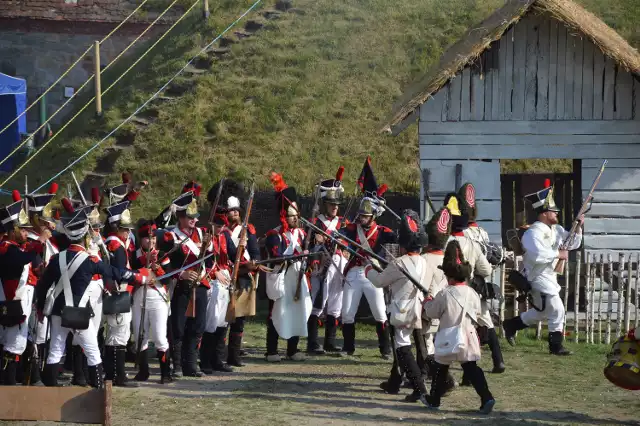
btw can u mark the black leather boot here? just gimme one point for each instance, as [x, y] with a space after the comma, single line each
[219, 341]
[143, 367]
[109, 363]
[349, 334]
[9, 368]
[313, 347]
[330, 327]
[233, 355]
[176, 351]
[555, 344]
[50, 375]
[31, 368]
[496, 352]
[190, 367]
[511, 326]
[79, 378]
[121, 375]
[95, 376]
[165, 369]
[207, 348]
[412, 371]
[382, 330]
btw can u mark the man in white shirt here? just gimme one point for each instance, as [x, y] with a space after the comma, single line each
[541, 245]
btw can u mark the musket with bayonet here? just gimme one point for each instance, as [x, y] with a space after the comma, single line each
[191, 307]
[307, 240]
[586, 206]
[370, 253]
[231, 307]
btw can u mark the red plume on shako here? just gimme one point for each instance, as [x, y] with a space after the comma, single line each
[15, 194]
[53, 188]
[95, 195]
[547, 183]
[68, 206]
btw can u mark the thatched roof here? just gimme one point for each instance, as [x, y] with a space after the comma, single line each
[478, 39]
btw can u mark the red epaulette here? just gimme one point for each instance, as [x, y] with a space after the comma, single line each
[167, 237]
[272, 232]
[113, 245]
[94, 259]
[251, 229]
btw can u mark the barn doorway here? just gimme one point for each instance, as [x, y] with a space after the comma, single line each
[517, 181]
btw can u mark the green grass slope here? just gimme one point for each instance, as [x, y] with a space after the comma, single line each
[302, 96]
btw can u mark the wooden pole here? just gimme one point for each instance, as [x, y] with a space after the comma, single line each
[566, 295]
[502, 301]
[576, 297]
[107, 403]
[621, 295]
[592, 278]
[206, 9]
[588, 295]
[607, 336]
[516, 293]
[637, 299]
[97, 78]
[627, 300]
[600, 272]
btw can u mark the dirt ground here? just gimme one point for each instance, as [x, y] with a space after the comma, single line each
[536, 389]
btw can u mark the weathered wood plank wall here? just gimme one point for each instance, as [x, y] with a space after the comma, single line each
[542, 91]
[543, 72]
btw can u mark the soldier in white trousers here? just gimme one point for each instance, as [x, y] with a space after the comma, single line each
[154, 323]
[119, 225]
[70, 274]
[541, 245]
[371, 236]
[327, 278]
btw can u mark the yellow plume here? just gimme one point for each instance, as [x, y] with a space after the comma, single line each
[453, 207]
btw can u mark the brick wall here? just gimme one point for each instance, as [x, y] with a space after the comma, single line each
[76, 10]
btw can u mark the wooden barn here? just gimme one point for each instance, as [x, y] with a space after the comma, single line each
[538, 79]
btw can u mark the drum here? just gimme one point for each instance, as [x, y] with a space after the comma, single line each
[623, 363]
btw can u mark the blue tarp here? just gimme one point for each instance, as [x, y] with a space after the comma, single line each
[13, 101]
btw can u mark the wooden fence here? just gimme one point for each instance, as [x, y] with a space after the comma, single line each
[600, 295]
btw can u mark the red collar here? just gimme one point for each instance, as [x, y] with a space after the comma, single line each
[473, 224]
[457, 234]
[76, 247]
[435, 251]
[188, 232]
[414, 253]
[459, 283]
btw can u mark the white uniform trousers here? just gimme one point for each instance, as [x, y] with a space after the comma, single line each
[95, 290]
[119, 327]
[356, 283]
[87, 339]
[484, 319]
[15, 338]
[553, 312]
[331, 291]
[155, 319]
[402, 336]
[218, 301]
